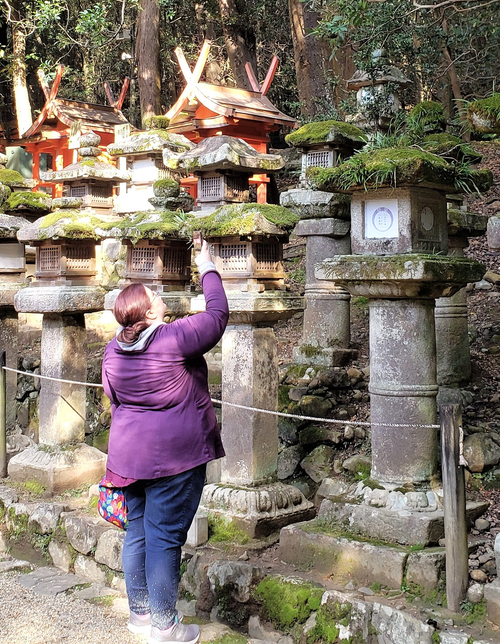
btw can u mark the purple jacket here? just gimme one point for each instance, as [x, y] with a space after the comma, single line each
[163, 421]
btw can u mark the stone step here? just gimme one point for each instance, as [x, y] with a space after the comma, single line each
[50, 581]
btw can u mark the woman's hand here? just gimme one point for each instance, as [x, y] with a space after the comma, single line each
[204, 254]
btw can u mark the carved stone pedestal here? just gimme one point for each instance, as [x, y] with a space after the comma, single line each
[248, 493]
[61, 460]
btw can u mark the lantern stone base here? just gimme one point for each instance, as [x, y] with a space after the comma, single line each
[323, 356]
[389, 514]
[60, 467]
[259, 510]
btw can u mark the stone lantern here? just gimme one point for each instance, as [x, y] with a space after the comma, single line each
[224, 166]
[248, 492]
[64, 290]
[399, 262]
[147, 156]
[325, 143]
[89, 183]
[382, 85]
[325, 223]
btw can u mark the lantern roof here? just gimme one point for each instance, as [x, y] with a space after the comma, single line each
[62, 224]
[158, 140]
[227, 152]
[9, 226]
[152, 224]
[327, 132]
[389, 74]
[247, 219]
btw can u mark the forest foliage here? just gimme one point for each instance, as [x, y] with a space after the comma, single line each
[448, 50]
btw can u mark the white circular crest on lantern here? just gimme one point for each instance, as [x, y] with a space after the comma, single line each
[427, 218]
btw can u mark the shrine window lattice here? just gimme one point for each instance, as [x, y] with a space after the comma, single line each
[143, 260]
[234, 257]
[236, 187]
[49, 258]
[174, 260]
[267, 257]
[78, 258]
[319, 159]
[211, 187]
[78, 191]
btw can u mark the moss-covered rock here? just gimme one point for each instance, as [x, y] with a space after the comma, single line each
[10, 177]
[329, 618]
[247, 219]
[450, 146]
[288, 601]
[484, 115]
[326, 132]
[32, 201]
[157, 122]
[166, 188]
[430, 115]
[396, 167]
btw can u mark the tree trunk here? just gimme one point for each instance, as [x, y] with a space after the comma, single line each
[239, 36]
[148, 58]
[310, 59]
[454, 79]
[343, 68]
[21, 97]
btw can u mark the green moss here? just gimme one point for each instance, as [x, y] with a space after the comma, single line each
[430, 115]
[165, 183]
[28, 200]
[3, 510]
[484, 115]
[436, 639]
[157, 224]
[229, 638]
[157, 122]
[88, 161]
[363, 472]
[371, 483]
[221, 529]
[310, 350]
[474, 613]
[329, 618]
[310, 435]
[10, 177]
[383, 167]
[288, 602]
[34, 488]
[283, 398]
[243, 219]
[360, 301]
[297, 370]
[450, 146]
[324, 132]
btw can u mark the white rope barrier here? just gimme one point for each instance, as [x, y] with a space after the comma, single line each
[256, 409]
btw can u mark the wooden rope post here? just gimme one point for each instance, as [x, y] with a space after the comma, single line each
[3, 416]
[455, 525]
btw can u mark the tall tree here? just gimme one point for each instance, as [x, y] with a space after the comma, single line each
[147, 55]
[240, 38]
[19, 29]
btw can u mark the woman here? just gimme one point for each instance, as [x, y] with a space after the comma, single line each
[163, 433]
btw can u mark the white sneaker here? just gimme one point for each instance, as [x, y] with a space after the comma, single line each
[178, 633]
[140, 624]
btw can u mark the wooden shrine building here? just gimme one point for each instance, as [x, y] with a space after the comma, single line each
[204, 110]
[54, 136]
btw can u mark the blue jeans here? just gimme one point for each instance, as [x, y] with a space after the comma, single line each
[159, 513]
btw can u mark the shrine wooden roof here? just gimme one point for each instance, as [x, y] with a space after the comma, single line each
[229, 102]
[100, 118]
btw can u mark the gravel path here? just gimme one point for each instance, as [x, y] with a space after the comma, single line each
[28, 618]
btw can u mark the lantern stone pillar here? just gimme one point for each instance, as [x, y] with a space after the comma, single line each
[452, 338]
[248, 492]
[61, 460]
[325, 223]
[9, 328]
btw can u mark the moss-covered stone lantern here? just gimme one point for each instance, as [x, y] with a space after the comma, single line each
[247, 244]
[148, 156]
[66, 248]
[325, 143]
[158, 252]
[89, 181]
[224, 166]
[399, 202]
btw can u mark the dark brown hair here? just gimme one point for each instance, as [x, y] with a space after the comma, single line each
[130, 310]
